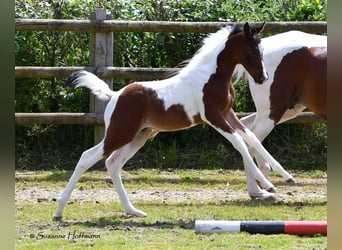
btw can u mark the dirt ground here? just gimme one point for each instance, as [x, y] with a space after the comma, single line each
[303, 189]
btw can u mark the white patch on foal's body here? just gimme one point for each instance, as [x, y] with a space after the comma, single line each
[186, 88]
[181, 88]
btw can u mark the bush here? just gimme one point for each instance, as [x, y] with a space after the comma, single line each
[59, 146]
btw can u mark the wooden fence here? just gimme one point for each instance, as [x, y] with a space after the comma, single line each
[101, 28]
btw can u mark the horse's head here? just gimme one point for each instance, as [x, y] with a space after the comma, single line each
[250, 52]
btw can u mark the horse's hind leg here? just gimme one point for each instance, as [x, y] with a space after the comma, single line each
[87, 160]
[116, 161]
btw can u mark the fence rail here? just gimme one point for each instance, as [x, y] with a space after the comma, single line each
[107, 72]
[97, 119]
[102, 72]
[155, 26]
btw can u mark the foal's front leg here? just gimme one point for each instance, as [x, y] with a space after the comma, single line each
[255, 146]
[219, 123]
[249, 122]
[260, 128]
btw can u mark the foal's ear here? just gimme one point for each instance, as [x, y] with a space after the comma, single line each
[261, 28]
[247, 30]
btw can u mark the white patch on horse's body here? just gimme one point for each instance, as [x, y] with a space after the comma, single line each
[275, 48]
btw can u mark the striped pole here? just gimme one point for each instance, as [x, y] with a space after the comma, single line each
[262, 227]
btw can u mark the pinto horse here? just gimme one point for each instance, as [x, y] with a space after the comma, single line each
[297, 66]
[200, 93]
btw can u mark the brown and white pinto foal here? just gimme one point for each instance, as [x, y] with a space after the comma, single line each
[296, 63]
[200, 93]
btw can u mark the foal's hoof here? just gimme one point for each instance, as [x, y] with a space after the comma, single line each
[264, 195]
[137, 213]
[291, 181]
[272, 190]
[270, 197]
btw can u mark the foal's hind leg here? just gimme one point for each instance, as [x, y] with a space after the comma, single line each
[116, 161]
[87, 160]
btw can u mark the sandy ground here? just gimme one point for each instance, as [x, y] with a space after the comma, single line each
[305, 189]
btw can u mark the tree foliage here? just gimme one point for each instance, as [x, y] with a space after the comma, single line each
[38, 146]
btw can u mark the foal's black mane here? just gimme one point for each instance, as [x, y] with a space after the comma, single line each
[237, 28]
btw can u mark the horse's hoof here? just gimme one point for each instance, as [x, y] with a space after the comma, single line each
[291, 181]
[57, 218]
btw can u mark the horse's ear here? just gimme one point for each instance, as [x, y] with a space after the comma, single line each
[247, 30]
[261, 28]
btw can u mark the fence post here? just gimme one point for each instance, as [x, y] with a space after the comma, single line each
[101, 55]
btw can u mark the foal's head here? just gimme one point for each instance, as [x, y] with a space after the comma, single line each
[248, 49]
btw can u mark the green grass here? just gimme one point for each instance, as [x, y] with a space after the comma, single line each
[169, 224]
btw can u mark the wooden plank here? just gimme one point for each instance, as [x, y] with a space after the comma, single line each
[47, 72]
[101, 56]
[155, 26]
[103, 72]
[306, 117]
[97, 119]
[59, 118]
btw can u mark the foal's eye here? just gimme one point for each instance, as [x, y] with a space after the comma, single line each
[255, 51]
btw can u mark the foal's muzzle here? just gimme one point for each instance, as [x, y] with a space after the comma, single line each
[261, 79]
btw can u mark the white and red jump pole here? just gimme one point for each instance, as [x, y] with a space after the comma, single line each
[262, 227]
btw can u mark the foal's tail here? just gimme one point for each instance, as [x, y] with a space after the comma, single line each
[86, 79]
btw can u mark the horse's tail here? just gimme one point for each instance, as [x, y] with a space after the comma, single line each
[86, 79]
